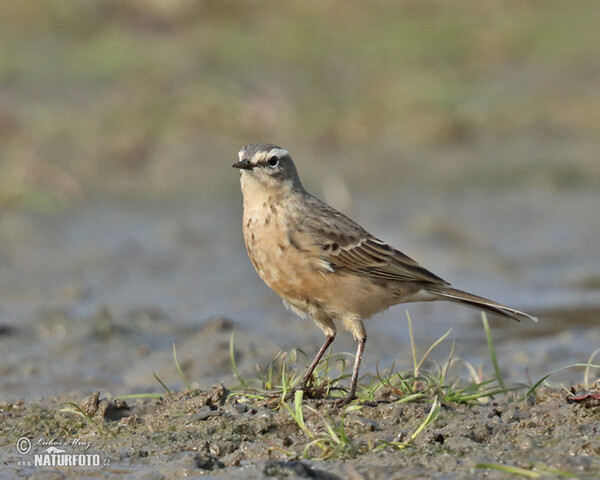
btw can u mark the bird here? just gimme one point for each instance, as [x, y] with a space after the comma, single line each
[323, 264]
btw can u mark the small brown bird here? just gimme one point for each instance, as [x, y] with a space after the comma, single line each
[322, 263]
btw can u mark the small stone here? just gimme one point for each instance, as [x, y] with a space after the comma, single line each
[207, 462]
[204, 414]
[292, 469]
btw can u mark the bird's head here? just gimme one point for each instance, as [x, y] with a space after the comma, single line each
[269, 165]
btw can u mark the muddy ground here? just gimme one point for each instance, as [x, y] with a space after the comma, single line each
[218, 434]
[96, 298]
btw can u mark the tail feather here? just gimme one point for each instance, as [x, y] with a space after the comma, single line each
[455, 295]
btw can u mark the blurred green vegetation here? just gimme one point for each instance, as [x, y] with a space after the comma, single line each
[154, 98]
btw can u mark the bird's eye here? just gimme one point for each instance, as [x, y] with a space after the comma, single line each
[273, 161]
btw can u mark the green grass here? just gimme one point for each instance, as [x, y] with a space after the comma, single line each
[282, 376]
[276, 388]
[329, 440]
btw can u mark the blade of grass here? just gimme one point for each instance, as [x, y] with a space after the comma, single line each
[433, 413]
[431, 416]
[444, 372]
[413, 347]
[236, 372]
[78, 411]
[539, 382]
[169, 393]
[475, 378]
[297, 413]
[415, 397]
[181, 374]
[157, 396]
[560, 473]
[431, 347]
[586, 373]
[328, 422]
[488, 335]
[506, 468]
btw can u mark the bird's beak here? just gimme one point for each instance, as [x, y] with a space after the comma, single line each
[243, 164]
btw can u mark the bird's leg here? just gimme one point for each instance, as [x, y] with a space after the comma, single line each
[356, 326]
[361, 340]
[328, 328]
[328, 340]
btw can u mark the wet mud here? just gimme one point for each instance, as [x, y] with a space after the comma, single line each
[216, 433]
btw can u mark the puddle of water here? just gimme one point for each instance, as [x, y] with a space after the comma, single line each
[95, 297]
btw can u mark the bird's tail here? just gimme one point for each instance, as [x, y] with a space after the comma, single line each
[452, 294]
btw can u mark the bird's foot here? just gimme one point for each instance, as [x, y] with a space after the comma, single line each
[342, 402]
[311, 392]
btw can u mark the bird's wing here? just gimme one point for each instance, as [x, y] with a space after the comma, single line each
[345, 245]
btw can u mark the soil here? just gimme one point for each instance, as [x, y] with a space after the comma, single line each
[216, 433]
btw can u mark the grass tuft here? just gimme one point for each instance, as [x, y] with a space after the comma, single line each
[428, 381]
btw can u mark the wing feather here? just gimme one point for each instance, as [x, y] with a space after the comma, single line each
[345, 245]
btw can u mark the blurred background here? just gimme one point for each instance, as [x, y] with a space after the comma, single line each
[464, 133]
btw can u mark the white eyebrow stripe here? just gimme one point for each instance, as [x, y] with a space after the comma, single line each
[279, 152]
